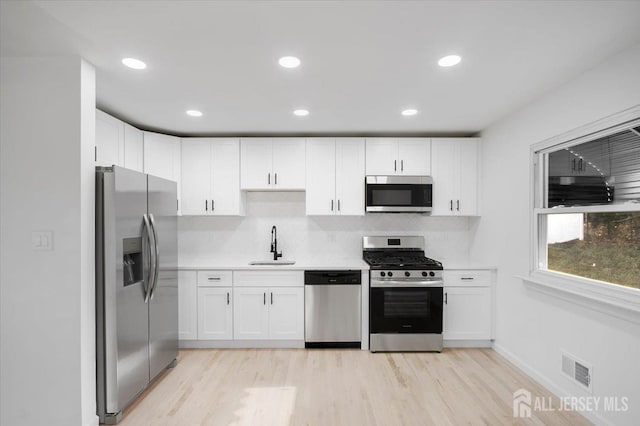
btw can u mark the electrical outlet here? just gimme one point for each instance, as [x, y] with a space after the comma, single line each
[42, 240]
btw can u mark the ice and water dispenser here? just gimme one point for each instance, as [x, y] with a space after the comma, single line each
[132, 260]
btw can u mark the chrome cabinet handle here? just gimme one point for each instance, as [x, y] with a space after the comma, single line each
[467, 278]
[275, 179]
[213, 278]
[272, 298]
[446, 301]
[264, 298]
[331, 205]
[269, 178]
[395, 165]
[451, 205]
[402, 165]
[227, 298]
[338, 205]
[206, 205]
[458, 205]
[213, 206]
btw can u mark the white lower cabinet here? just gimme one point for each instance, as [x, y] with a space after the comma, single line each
[215, 317]
[286, 313]
[187, 305]
[468, 305]
[275, 313]
[251, 314]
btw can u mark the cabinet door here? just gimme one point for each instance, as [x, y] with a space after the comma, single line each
[289, 163]
[187, 305]
[109, 140]
[467, 313]
[133, 148]
[286, 313]
[467, 202]
[250, 313]
[382, 156]
[225, 177]
[196, 176]
[444, 170]
[162, 157]
[256, 156]
[414, 156]
[215, 319]
[321, 176]
[350, 174]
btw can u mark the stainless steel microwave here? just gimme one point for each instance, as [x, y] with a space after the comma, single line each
[399, 194]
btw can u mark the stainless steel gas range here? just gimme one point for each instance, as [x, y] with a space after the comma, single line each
[405, 296]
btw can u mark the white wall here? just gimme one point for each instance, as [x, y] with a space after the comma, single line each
[203, 239]
[47, 347]
[532, 327]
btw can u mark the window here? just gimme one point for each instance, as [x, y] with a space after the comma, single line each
[587, 206]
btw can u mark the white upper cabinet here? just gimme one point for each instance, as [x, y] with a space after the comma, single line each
[211, 177]
[162, 157]
[335, 176]
[455, 174]
[109, 140]
[273, 164]
[399, 156]
[133, 148]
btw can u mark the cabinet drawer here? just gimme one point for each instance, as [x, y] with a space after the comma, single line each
[268, 278]
[467, 278]
[214, 278]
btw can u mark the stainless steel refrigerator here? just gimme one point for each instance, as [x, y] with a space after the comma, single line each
[136, 285]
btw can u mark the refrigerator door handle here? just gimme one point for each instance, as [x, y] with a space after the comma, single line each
[151, 242]
[156, 263]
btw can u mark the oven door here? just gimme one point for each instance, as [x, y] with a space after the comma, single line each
[405, 310]
[399, 194]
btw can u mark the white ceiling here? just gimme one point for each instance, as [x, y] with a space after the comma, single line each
[362, 62]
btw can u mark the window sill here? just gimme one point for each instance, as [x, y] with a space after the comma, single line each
[618, 301]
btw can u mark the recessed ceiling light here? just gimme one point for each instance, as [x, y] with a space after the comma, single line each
[194, 113]
[449, 61]
[134, 63]
[408, 112]
[301, 112]
[289, 62]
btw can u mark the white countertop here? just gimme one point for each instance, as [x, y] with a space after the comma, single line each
[301, 264]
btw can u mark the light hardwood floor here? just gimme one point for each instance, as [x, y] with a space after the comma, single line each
[339, 387]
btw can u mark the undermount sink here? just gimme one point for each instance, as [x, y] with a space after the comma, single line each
[272, 262]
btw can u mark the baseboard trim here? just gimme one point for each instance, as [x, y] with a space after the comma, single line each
[547, 383]
[453, 343]
[241, 344]
[93, 421]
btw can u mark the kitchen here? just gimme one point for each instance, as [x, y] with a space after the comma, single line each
[492, 240]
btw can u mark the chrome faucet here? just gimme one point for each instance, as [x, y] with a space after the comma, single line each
[274, 243]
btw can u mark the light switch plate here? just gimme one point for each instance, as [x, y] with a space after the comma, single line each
[42, 240]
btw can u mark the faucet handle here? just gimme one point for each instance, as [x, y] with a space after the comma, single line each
[277, 255]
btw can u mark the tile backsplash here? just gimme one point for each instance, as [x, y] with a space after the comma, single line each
[311, 237]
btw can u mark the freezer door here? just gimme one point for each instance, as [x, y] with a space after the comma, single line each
[122, 269]
[163, 304]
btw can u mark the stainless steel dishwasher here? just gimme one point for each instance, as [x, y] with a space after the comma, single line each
[332, 309]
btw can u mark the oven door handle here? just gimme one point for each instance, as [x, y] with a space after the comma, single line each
[406, 284]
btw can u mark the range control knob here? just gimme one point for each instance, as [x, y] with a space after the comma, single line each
[424, 274]
[390, 274]
[382, 274]
[432, 274]
[407, 274]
